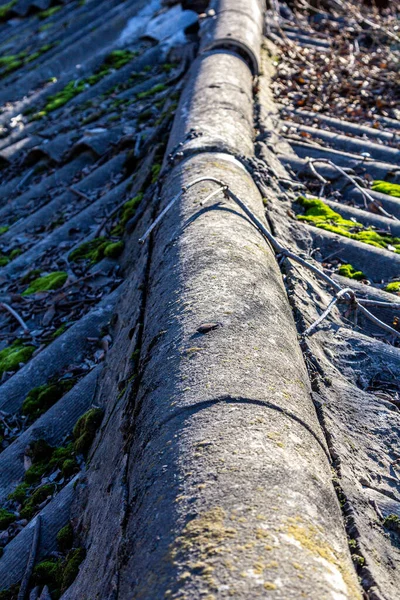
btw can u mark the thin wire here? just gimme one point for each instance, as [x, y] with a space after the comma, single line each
[346, 293]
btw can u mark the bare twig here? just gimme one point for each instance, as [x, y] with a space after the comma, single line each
[79, 193]
[393, 305]
[31, 560]
[15, 315]
[330, 307]
[367, 195]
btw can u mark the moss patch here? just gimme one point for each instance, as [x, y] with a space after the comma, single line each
[6, 10]
[53, 281]
[127, 212]
[321, 215]
[13, 355]
[59, 574]
[71, 567]
[393, 287]
[85, 430]
[113, 61]
[392, 522]
[65, 538]
[19, 494]
[155, 171]
[96, 249]
[156, 89]
[32, 504]
[41, 398]
[11, 63]
[6, 518]
[114, 249]
[350, 272]
[384, 187]
[45, 14]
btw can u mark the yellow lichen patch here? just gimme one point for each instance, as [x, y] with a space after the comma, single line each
[261, 533]
[258, 568]
[205, 534]
[272, 435]
[268, 585]
[311, 537]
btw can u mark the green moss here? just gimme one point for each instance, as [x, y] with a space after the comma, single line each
[59, 331]
[392, 522]
[155, 171]
[15, 61]
[48, 572]
[65, 538]
[69, 467]
[5, 10]
[46, 26]
[115, 60]
[85, 430]
[93, 250]
[156, 89]
[393, 287]
[167, 67]
[357, 560]
[14, 253]
[391, 189]
[19, 494]
[119, 58]
[321, 215]
[30, 276]
[6, 258]
[10, 594]
[97, 249]
[31, 505]
[49, 459]
[350, 272]
[4, 229]
[35, 473]
[144, 116]
[41, 398]
[71, 568]
[45, 14]
[13, 355]
[6, 518]
[127, 212]
[53, 281]
[113, 249]
[40, 450]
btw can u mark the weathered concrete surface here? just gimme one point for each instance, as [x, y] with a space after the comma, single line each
[229, 484]
[216, 107]
[236, 25]
[211, 477]
[361, 422]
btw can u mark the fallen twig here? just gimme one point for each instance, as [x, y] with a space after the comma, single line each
[326, 312]
[80, 194]
[31, 560]
[367, 195]
[15, 315]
